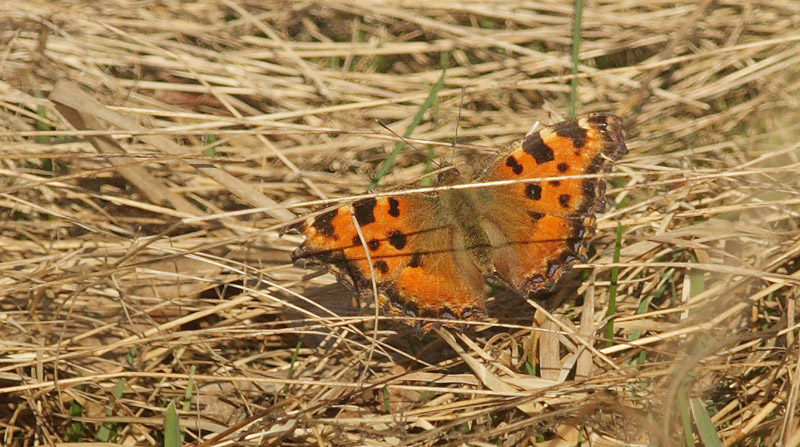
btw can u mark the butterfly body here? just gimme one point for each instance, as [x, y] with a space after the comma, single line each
[428, 253]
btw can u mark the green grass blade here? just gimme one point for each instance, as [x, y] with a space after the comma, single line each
[172, 428]
[292, 362]
[686, 420]
[387, 403]
[576, 61]
[108, 431]
[705, 428]
[697, 281]
[187, 396]
[429, 101]
[76, 430]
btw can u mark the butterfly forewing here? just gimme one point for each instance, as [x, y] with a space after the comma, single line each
[539, 228]
[408, 251]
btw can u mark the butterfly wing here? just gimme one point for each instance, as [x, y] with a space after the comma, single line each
[412, 253]
[539, 229]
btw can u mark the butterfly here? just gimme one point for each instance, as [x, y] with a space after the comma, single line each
[428, 254]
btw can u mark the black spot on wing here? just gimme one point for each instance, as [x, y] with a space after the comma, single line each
[394, 207]
[536, 147]
[398, 239]
[324, 223]
[563, 167]
[535, 216]
[374, 244]
[533, 191]
[512, 163]
[382, 267]
[365, 211]
[416, 260]
[564, 199]
[570, 129]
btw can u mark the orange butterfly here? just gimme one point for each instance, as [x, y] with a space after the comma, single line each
[429, 252]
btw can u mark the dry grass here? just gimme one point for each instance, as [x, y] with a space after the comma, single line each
[142, 263]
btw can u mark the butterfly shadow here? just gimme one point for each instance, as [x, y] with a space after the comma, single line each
[333, 303]
[509, 309]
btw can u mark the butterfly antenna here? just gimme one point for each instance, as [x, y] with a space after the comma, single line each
[404, 140]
